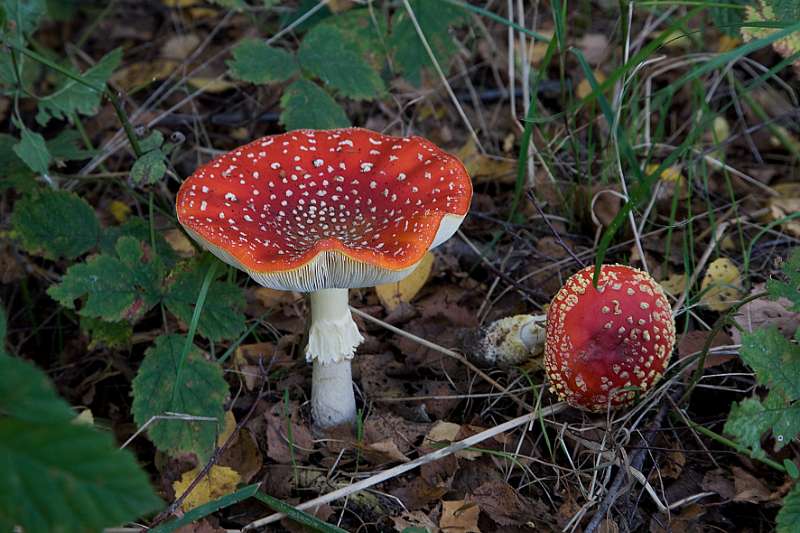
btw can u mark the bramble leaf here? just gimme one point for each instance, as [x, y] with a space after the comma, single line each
[140, 229]
[328, 55]
[33, 151]
[306, 105]
[789, 515]
[222, 316]
[51, 466]
[255, 61]
[365, 31]
[74, 97]
[118, 287]
[55, 224]
[774, 359]
[200, 390]
[22, 18]
[67, 146]
[789, 289]
[435, 19]
[149, 168]
[107, 334]
[15, 172]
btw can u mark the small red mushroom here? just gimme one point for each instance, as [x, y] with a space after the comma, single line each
[321, 211]
[604, 343]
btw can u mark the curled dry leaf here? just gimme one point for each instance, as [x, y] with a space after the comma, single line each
[722, 285]
[220, 481]
[459, 516]
[763, 313]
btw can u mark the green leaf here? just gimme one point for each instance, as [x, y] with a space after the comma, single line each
[152, 141]
[747, 422]
[74, 97]
[306, 105]
[789, 516]
[255, 61]
[729, 19]
[15, 172]
[328, 55]
[435, 19]
[201, 392]
[138, 228]
[785, 10]
[68, 146]
[22, 17]
[775, 360]
[790, 289]
[365, 31]
[51, 466]
[3, 329]
[149, 168]
[118, 287]
[107, 334]
[55, 224]
[221, 317]
[33, 151]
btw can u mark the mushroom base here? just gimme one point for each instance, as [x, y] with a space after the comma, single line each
[332, 399]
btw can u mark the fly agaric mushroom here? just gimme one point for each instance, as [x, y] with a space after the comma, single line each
[321, 212]
[603, 342]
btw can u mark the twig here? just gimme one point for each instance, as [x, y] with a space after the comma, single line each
[449, 353]
[405, 467]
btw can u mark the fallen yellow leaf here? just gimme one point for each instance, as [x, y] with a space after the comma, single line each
[119, 210]
[228, 429]
[722, 285]
[220, 481]
[483, 168]
[179, 242]
[446, 432]
[211, 85]
[670, 174]
[585, 88]
[392, 295]
[144, 73]
[674, 285]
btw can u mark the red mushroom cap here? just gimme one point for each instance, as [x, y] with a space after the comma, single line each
[315, 209]
[600, 340]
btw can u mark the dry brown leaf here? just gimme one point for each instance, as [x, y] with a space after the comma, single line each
[243, 456]
[502, 504]
[444, 433]
[486, 169]
[459, 516]
[278, 448]
[749, 488]
[385, 451]
[722, 285]
[763, 313]
[414, 519]
[178, 241]
[220, 481]
[179, 47]
[392, 295]
[786, 203]
[272, 298]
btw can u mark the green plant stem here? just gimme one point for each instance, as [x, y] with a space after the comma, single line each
[721, 321]
[732, 444]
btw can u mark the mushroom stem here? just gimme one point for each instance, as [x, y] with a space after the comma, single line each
[332, 342]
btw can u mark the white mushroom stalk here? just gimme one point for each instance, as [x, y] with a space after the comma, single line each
[332, 341]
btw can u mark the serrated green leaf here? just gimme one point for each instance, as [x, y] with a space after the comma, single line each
[73, 97]
[152, 141]
[747, 421]
[55, 224]
[306, 105]
[118, 287]
[51, 466]
[303, 7]
[15, 172]
[26, 394]
[785, 10]
[23, 18]
[365, 30]
[67, 146]
[789, 516]
[201, 392]
[775, 360]
[107, 334]
[149, 168]
[328, 55]
[255, 61]
[435, 19]
[221, 317]
[789, 289]
[140, 229]
[33, 151]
